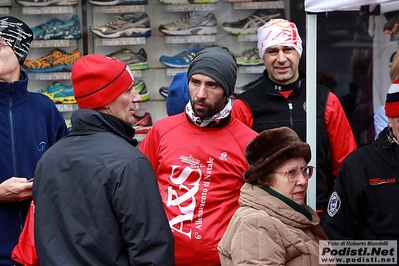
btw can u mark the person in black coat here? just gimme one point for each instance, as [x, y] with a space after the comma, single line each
[96, 195]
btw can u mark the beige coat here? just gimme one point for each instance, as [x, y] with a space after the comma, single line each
[266, 231]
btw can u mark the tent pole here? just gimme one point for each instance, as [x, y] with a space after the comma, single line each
[311, 77]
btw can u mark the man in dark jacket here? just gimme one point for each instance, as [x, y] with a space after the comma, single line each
[96, 195]
[30, 124]
[363, 205]
[278, 99]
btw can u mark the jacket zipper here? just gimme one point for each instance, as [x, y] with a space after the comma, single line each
[10, 114]
[291, 107]
[14, 156]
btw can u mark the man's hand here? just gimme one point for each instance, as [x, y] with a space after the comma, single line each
[15, 189]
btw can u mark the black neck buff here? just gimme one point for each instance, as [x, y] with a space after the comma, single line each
[288, 87]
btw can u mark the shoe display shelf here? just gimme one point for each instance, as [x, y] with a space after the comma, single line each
[58, 42]
[174, 32]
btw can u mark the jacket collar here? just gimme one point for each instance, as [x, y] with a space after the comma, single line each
[14, 92]
[87, 120]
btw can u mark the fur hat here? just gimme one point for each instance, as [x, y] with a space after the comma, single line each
[98, 80]
[178, 94]
[392, 101]
[279, 32]
[17, 35]
[271, 148]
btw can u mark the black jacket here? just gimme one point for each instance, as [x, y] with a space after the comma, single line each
[280, 111]
[365, 200]
[97, 200]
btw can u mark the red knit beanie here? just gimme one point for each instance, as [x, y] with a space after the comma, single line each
[98, 80]
[392, 101]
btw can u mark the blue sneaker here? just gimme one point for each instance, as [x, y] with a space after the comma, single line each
[58, 29]
[65, 96]
[52, 89]
[182, 59]
[127, 25]
[59, 93]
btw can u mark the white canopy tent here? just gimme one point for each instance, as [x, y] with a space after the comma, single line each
[312, 7]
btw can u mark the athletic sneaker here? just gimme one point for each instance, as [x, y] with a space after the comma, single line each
[174, 2]
[142, 124]
[246, 1]
[248, 86]
[203, 1]
[182, 59]
[58, 29]
[57, 60]
[118, 2]
[132, 59]
[141, 88]
[52, 89]
[250, 24]
[249, 57]
[5, 3]
[164, 91]
[65, 96]
[192, 24]
[392, 25]
[127, 25]
[47, 2]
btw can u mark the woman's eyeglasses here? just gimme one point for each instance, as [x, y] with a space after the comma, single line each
[294, 173]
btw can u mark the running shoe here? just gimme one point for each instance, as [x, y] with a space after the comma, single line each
[142, 122]
[174, 2]
[68, 123]
[65, 96]
[246, 1]
[164, 91]
[203, 1]
[132, 59]
[192, 24]
[47, 2]
[182, 59]
[392, 25]
[141, 88]
[52, 89]
[118, 2]
[250, 24]
[248, 86]
[57, 60]
[5, 3]
[249, 57]
[127, 25]
[58, 29]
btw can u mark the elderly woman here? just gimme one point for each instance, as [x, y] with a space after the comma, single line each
[273, 225]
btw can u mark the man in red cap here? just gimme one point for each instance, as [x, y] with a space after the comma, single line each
[96, 195]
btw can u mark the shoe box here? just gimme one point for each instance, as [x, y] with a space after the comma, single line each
[156, 38]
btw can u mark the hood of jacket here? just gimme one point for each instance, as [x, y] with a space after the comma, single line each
[86, 121]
